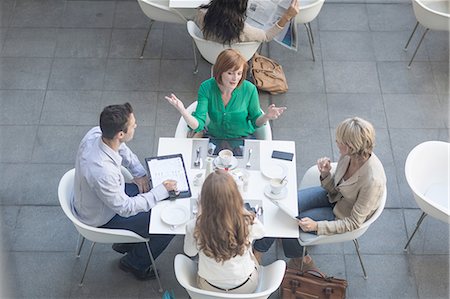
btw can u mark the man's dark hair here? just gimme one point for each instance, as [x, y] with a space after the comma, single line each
[114, 118]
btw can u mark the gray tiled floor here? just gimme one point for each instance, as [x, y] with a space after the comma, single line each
[61, 61]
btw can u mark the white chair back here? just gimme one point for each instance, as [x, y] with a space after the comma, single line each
[308, 11]
[427, 174]
[433, 14]
[261, 133]
[210, 49]
[94, 234]
[186, 273]
[160, 11]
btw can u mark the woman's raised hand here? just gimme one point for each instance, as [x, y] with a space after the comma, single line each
[293, 10]
[274, 112]
[174, 101]
[324, 166]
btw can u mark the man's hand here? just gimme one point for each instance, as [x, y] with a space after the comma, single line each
[142, 184]
[171, 185]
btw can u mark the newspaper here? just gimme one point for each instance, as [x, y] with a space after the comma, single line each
[264, 14]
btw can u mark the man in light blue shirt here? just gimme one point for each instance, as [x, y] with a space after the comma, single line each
[103, 199]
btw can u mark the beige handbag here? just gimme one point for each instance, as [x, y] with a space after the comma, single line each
[268, 75]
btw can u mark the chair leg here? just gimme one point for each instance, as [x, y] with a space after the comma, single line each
[310, 30]
[80, 243]
[146, 38]
[410, 37]
[152, 260]
[415, 52]
[87, 263]
[303, 258]
[359, 256]
[419, 222]
[194, 49]
[310, 41]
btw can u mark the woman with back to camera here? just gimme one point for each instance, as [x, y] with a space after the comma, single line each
[222, 236]
[230, 101]
[345, 199]
[224, 21]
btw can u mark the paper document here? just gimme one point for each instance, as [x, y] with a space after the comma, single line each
[168, 169]
[264, 14]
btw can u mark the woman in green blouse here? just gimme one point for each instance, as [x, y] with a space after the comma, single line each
[230, 101]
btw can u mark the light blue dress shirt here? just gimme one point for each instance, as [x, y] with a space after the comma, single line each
[99, 188]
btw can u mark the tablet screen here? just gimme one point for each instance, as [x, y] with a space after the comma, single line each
[235, 145]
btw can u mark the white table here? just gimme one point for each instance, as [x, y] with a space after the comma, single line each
[186, 3]
[276, 222]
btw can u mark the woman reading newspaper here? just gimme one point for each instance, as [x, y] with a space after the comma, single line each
[224, 21]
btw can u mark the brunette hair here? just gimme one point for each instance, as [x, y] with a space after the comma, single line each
[229, 59]
[358, 135]
[224, 20]
[222, 227]
[114, 118]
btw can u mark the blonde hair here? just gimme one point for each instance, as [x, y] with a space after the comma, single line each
[222, 228]
[358, 135]
[229, 59]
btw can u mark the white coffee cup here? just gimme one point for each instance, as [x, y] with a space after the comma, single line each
[276, 185]
[225, 156]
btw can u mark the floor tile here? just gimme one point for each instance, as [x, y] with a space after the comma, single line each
[431, 275]
[7, 226]
[389, 46]
[58, 144]
[128, 43]
[399, 281]
[364, 105]
[44, 13]
[19, 145]
[177, 45]
[132, 75]
[351, 77]
[30, 42]
[128, 14]
[304, 110]
[185, 80]
[305, 76]
[441, 77]
[42, 228]
[346, 46]
[6, 8]
[437, 44]
[21, 107]
[24, 73]
[77, 74]
[391, 17]
[428, 113]
[346, 17]
[83, 43]
[98, 14]
[395, 77]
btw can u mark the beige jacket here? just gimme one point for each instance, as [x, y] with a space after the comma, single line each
[249, 33]
[356, 199]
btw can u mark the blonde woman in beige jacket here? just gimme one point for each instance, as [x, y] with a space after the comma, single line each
[345, 199]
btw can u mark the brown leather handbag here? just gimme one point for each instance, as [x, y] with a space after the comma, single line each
[268, 75]
[311, 284]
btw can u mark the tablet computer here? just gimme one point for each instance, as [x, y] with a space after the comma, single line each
[215, 145]
[169, 167]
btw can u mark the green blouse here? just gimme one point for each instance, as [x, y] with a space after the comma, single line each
[237, 119]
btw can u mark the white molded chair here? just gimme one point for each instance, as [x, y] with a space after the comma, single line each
[95, 234]
[210, 49]
[261, 133]
[431, 14]
[427, 173]
[159, 10]
[309, 10]
[186, 273]
[310, 179]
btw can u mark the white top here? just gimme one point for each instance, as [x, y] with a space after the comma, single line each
[100, 186]
[230, 273]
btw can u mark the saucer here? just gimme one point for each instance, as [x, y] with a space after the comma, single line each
[233, 163]
[280, 195]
